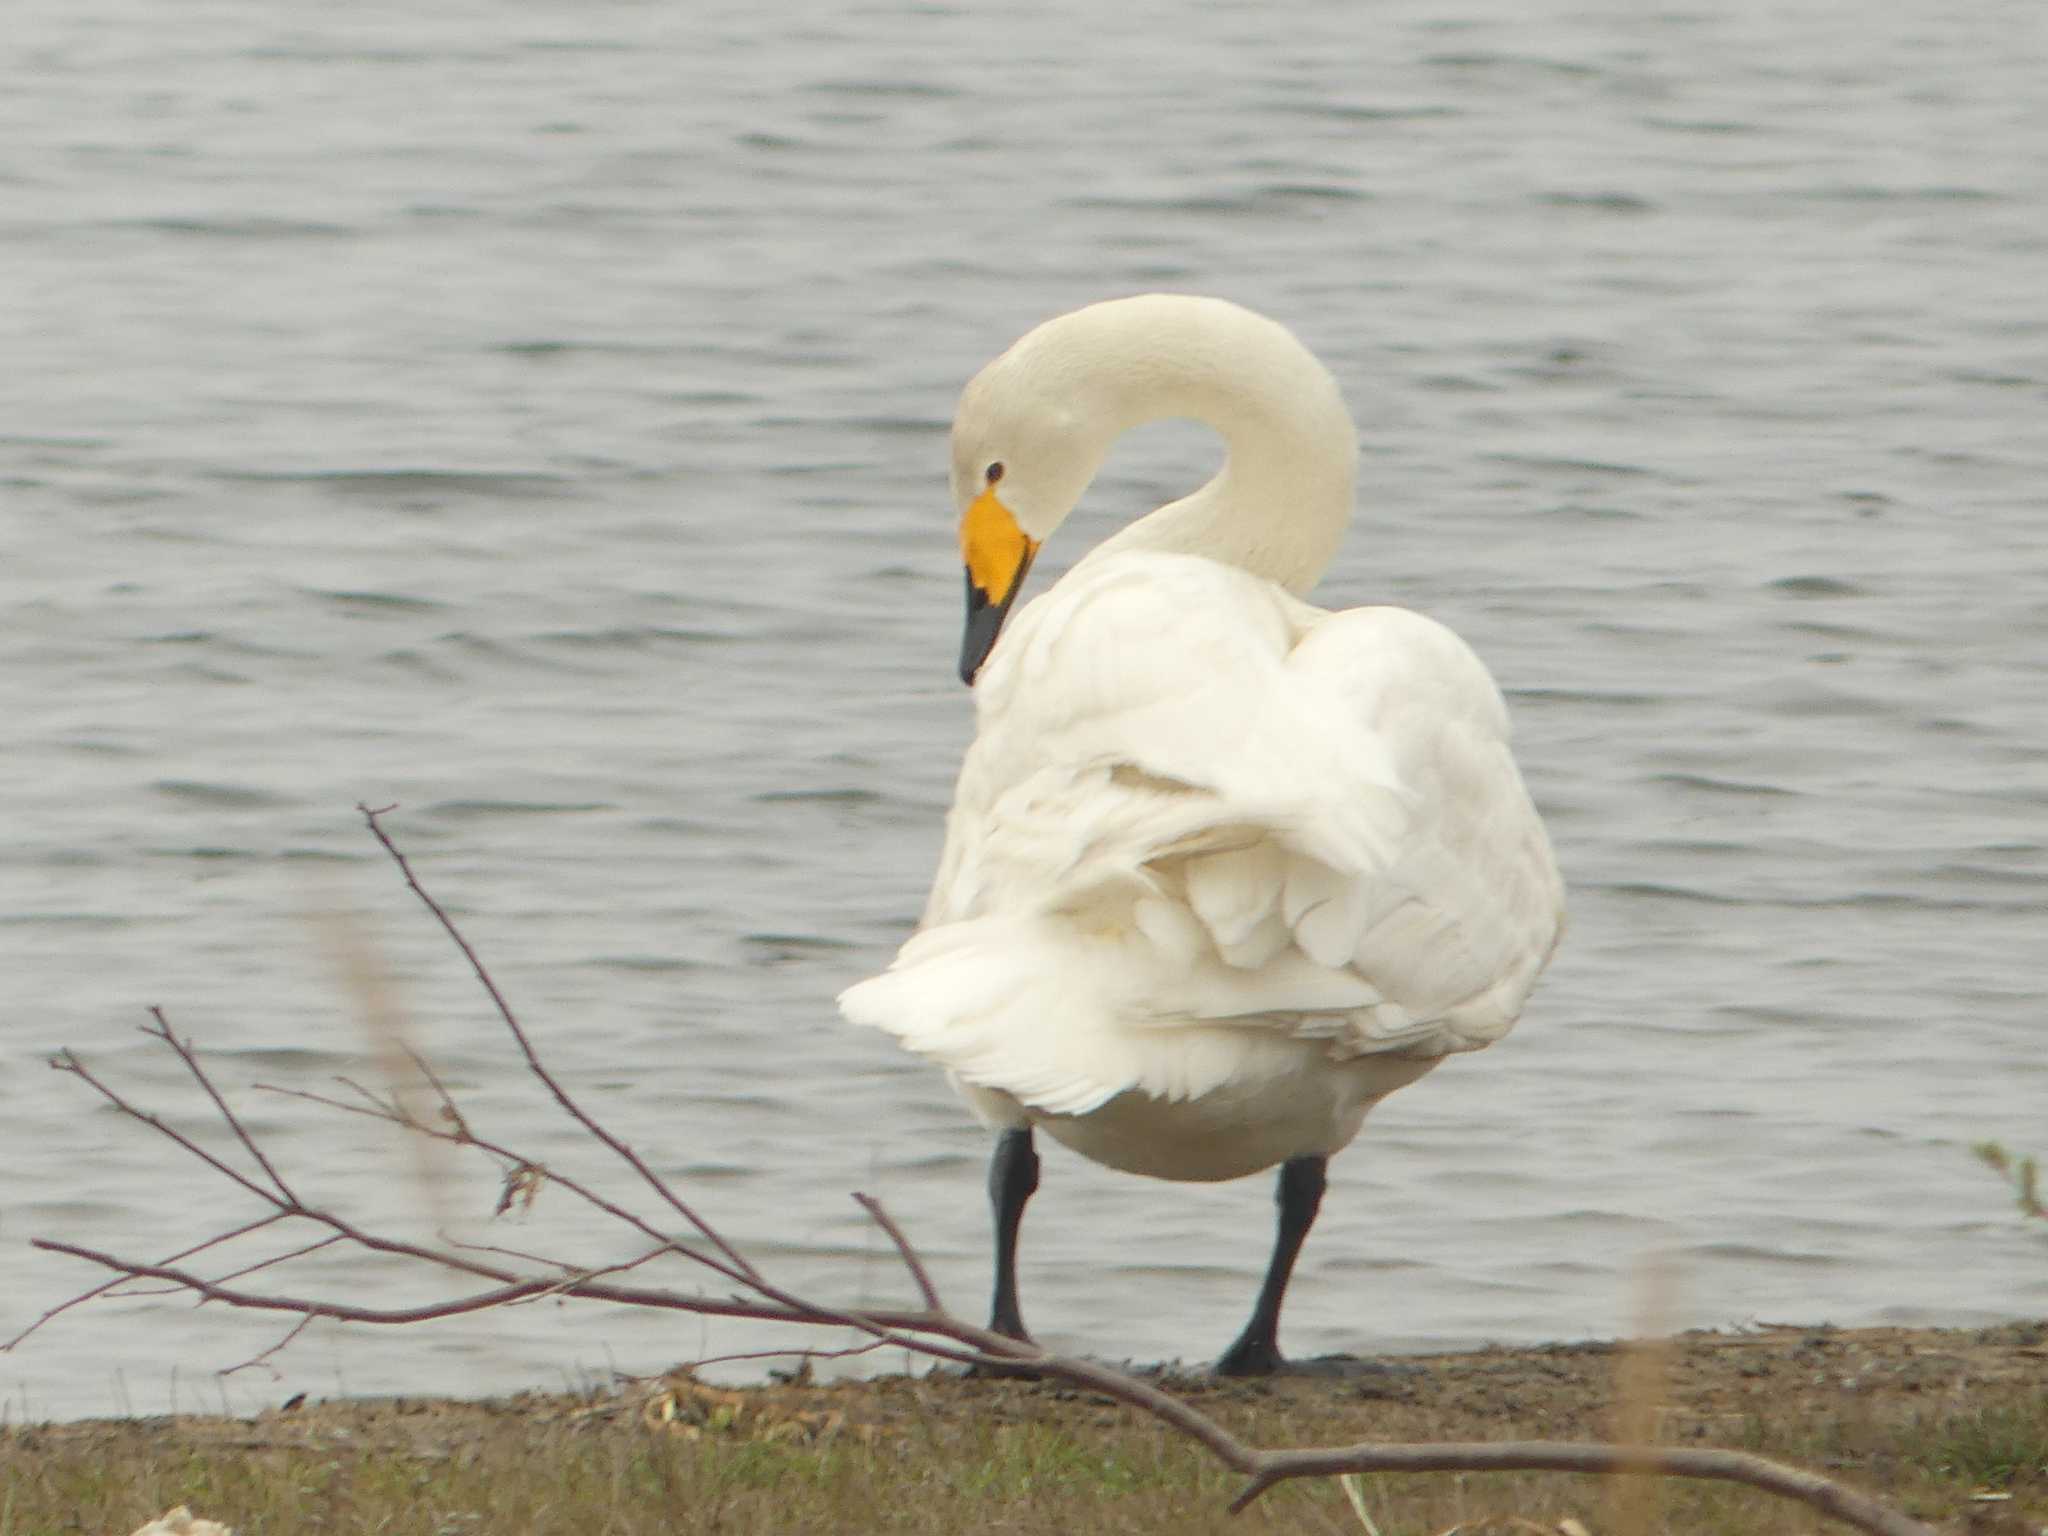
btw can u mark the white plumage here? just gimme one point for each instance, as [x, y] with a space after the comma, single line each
[1222, 868]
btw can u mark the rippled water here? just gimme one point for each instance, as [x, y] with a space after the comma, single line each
[533, 416]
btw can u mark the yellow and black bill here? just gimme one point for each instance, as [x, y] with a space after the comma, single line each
[997, 554]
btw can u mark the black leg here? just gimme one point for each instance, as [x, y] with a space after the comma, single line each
[1257, 1350]
[1012, 1176]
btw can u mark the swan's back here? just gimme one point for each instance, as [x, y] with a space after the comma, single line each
[1203, 825]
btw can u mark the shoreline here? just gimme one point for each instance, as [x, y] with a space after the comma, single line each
[1951, 1424]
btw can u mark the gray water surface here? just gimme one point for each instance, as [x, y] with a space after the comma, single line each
[533, 416]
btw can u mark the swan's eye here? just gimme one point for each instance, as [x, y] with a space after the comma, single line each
[993, 473]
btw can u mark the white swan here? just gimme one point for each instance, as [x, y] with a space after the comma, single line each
[1223, 869]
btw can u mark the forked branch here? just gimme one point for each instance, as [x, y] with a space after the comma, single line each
[509, 1277]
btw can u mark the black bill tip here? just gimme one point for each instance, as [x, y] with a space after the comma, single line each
[984, 623]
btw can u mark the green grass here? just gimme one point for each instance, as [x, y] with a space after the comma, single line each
[1926, 1420]
[1999, 1446]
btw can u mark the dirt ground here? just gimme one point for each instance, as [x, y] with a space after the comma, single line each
[1953, 1424]
[1715, 1383]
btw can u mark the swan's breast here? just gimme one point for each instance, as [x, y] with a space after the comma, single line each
[1313, 1110]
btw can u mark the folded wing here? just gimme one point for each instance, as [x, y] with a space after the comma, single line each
[1201, 820]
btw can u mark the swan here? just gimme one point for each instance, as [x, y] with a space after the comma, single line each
[1222, 869]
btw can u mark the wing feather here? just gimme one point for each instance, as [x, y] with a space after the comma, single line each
[1215, 808]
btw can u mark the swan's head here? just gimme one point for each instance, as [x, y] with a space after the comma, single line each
[1026, 442]
[1035, 425]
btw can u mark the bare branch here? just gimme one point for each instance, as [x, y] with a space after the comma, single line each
[375, 1109]
[534, 1258]
[263, 1359]
[892, 1327]
[747, 1273]
[917, 1331]
[534, 1064]
[1808, 1488]
[803, 1357]
[907, 1253]
[511, 1161]
[208, 1290]
[65, 1061]
[184, 1050]
[392, 1110]
[930, 1331]
[449, 1112]
[183, 1253]
[568, 1283]
[282, 1258]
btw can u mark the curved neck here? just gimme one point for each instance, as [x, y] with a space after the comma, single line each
[1279, 506]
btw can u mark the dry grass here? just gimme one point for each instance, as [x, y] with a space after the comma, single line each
[1930, 1419]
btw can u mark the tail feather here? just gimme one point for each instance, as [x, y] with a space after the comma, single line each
[1002, 1004]
[1051, 1015]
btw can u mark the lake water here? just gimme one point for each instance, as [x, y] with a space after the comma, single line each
[533, 416]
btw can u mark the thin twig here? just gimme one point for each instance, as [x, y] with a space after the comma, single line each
[1809, 1488]
[531, 1258]
[390, 1110]
[568, 1283]
[539, 1069]
[264, 1358]
[183, 1253]
[282, 1258]
[448, 1106]
[184, 1050]
[511, 1159]
[375, 1109]
[892, 1327]
[65, 1061]
[909, 1330]
[805, 1356]
[747, 1273]
[904, 1251]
